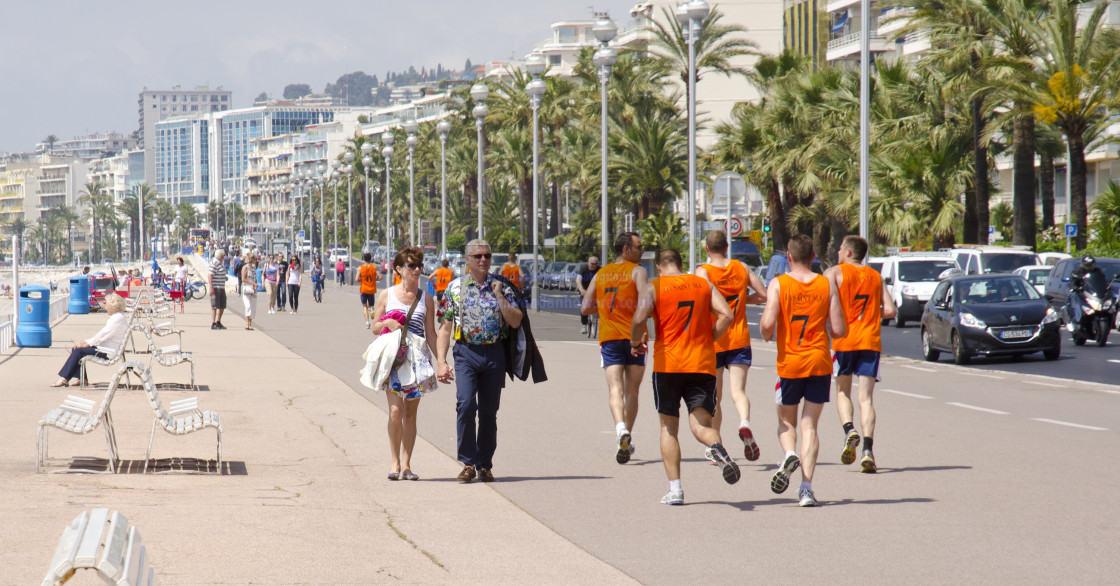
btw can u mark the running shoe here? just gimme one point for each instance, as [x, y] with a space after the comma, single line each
[631, 447]
[868, 463]
[711, 457]
[622, 456]
[807, 498]
[727, 466]
[673, 497]
[849, 454]
[367, 324]
[780, 481]
[750, 447]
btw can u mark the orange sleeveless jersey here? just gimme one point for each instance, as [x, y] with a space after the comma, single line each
[731, 282]
[443, 278]
[683, 322]
[861, 297]
[513, 273]
[617, 296]
[367, 279]
[802, 339]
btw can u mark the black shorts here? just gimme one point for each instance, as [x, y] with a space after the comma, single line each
[698, 391]
[814, 389]
[218, 298]
[369, 299]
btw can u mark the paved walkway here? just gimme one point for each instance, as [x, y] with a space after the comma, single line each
[307, 501]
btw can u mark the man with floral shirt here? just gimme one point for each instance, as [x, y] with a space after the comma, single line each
[477, 311]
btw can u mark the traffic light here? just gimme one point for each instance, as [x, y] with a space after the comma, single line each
[766, 224]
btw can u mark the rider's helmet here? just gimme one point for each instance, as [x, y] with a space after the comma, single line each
[1088, 262]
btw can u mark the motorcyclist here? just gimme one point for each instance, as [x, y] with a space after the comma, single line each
[1087, 267]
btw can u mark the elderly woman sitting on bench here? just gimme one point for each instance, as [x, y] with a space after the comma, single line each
[110, 336]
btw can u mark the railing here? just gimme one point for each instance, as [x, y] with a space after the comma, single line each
[58, 308]
[854, 38]
[7, 335]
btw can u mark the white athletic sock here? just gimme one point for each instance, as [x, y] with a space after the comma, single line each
[744, 423]
[674, 485]
[806, 485]
[788, 454]
[619, 428]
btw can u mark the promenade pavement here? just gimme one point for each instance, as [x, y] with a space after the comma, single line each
[304, 499]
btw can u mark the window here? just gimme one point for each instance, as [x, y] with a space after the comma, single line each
[973, 265]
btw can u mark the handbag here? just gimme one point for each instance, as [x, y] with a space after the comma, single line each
[402, 350]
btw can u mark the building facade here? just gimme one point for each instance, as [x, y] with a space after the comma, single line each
[157, 105]
[89, 147]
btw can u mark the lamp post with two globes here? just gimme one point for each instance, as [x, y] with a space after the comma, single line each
[691, 16]
[387, 153]
[536, 65]
[479, 93]
[444, 128]
[605, 30]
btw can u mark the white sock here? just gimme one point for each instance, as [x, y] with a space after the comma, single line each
[674, 485]
[744, 423]
[788, 454]
[619, 428]
[806, 485]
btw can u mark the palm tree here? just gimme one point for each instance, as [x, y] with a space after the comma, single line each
[511, 159]
[1106, 208]
[649, 160]
[716, 47]
[68, 216]
[98, 203]
[18, 227]
[163, 214]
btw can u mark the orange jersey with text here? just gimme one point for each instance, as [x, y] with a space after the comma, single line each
[731, 282]
[513, 273]
[367, 279]
[442, 278]
[802, 339]
[861, 298]
[683, 322]
[617, 296]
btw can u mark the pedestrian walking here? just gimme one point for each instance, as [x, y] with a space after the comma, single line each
[804, 310]
[217, 282]
[477, 310]
[684, 362]
[407, 306]
[295, 281]
[442, 278]
[271, 276]
[180, 280]
[613, 293]
[512, 271]
[865, 302]
[367, 285]
[281, 282]
[583, 282]
[249, 288]
[340, 272]
[317, 280]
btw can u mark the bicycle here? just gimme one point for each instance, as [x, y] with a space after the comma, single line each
[593, 326]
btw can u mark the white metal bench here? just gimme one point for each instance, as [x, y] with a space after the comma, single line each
[103, 541]
[172, 356]
[77, 416]
[112, 356]
[179, 418]
[151, 330]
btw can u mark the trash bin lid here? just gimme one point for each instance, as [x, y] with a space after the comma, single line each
[43, 292]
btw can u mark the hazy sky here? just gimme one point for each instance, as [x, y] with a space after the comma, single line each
[74, 68]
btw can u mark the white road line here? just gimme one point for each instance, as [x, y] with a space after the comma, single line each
[1068, 424]
[571, 342]
[751, 323]
[913, 395]
[1042, 384]
[1115, 361]
[912, 367]
[975, 408]
[970, 373]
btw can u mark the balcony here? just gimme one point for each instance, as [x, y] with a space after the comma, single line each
[894, 19]
[849, 45]
[916, 42]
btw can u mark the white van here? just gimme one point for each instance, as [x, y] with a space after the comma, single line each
[910, 278]
[983, 260]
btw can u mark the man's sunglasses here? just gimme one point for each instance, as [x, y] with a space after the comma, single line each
[481, 256]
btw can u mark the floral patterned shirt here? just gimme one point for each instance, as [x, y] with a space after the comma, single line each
[473, 308]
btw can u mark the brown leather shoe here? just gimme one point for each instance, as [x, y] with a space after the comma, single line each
[485, 475]
[467, 474]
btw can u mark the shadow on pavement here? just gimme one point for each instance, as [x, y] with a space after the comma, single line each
[792, 501]
[922, 469]
[500, 479]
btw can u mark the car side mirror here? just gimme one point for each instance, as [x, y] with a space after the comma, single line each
[887, 280]
[942, 305]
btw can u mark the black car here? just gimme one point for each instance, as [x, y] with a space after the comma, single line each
[989, 315]
[1057, 284]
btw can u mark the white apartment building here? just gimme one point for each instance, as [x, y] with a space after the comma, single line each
[156, 105]
[89, 147]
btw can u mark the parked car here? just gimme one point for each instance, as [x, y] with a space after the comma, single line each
[568, 281]
[1056, 289]
[910, 278]
[1051, 258]
[1035, 275]
[983, 260]
[338, 254]
[990, 315]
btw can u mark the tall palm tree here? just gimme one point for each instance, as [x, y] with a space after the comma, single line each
[716, 47]
[97, 202]
[511, 159]
[649, 160]
[68, 216]
[18, 227]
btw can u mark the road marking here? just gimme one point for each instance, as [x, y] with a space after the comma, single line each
[916, 396]
[912, 367]
[1042, 384]
[975, 408]
[1115, 361]
[1068, 424]
[751, 323]
[983, 375]
[571, 342]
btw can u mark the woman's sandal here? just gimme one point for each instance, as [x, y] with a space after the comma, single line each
[408, 475]
[61, 383]
[394, 475]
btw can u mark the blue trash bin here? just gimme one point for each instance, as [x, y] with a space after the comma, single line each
[34, 329]
[260, 280]
[79, 295]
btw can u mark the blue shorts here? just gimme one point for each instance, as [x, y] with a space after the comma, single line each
[856, 363]
[618, 352]
[814, 389]
[736, 356]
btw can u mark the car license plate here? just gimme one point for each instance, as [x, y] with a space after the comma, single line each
[1012, 334]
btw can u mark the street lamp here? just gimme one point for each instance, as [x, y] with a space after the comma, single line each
[479, 93]
[536, 65]
[444, 128]
[367, 148]
[605, 30]
[410, 127]
[691, 15]
[387, 154]
[349, 170]
[321, 179]
[335, 164]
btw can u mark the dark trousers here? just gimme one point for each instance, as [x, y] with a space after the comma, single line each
[293, 297]
[72, 369]
[480, 373]
[280, 294]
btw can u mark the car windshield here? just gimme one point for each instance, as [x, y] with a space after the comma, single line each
[105, 283]
[997, 291]
[912, 271]
[1038, 276]
[878, 266]
[1005, 262]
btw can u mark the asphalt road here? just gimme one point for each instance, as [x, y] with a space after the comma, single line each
[985, 477]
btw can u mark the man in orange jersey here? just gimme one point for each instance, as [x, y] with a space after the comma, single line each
[367, 285]
[684, 362]
[739, 286]
[865, 301]
[442, 278]
[613, 292]
[511, 270]
[804, 309]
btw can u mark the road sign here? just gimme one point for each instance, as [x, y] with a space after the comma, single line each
[991, 230]
[302, 235]
[706, 226]
[736, 227]
[1071, 230]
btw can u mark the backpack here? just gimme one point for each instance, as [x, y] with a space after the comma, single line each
[522, 355]
[237, 266]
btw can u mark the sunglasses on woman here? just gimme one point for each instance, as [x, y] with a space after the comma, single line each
[414, 266]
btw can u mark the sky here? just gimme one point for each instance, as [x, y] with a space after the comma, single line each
[80, 66]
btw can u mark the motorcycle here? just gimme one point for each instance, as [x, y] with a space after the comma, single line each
[1091, 310]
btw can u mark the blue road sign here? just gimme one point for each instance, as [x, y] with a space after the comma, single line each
[991, 230]
[302, 235]
[1071, 229]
